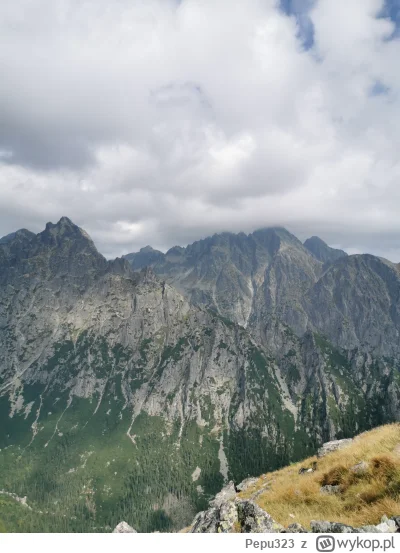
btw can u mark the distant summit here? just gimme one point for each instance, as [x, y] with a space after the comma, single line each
[146, 257]
[322, 251]
[22, 233]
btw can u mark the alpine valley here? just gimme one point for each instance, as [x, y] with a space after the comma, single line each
[133, 389]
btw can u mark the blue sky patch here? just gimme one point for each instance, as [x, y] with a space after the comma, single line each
[378, 89]
[392, 10]
[300, 9]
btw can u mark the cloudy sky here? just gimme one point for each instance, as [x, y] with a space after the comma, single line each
[163, 121]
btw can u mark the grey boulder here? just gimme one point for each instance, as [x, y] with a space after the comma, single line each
[324, 527]
[247, 483]
[334, 445]
[330, 490]
[295, 528]
[124, 528]
[254, 519]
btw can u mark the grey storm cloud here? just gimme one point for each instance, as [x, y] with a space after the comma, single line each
[162, 122]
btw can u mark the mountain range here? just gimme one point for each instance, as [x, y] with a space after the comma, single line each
[132, 389]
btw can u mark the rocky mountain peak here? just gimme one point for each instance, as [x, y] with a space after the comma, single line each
[21, 234]
[61, 225]
[322, 251]
[65, 221]
[176, 250]
[147, 249]
[62, 249]
[121, 267]
[275, 238]
[65, 228]
[146, 257]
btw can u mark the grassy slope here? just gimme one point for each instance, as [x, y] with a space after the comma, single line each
[364, 498]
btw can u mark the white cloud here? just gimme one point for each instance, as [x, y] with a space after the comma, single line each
[162, 121]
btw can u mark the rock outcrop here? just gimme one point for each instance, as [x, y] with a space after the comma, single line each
[334, 445]
[323, 527]
[124, 528]
[330, 490]
[235, 516]
[246, 483]
[295, 528]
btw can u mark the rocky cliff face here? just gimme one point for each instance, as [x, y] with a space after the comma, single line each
[355, 303]
[123, 399]
[254, 279]
[233, 273]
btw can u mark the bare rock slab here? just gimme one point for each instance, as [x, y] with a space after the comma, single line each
[124, 528]
[330, 447]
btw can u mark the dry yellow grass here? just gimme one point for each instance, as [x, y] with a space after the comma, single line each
[364, 498]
